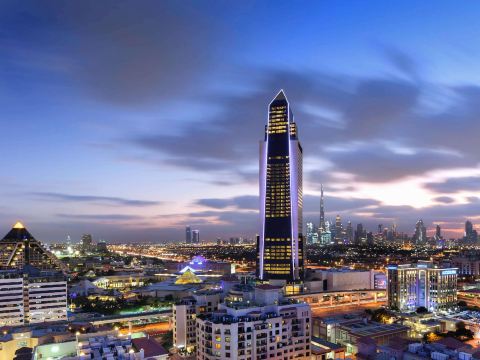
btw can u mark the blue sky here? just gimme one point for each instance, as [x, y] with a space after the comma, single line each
[130, 120]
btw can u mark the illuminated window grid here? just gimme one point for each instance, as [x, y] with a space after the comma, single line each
[278, 191]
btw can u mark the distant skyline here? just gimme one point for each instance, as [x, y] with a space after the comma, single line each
[131, 120]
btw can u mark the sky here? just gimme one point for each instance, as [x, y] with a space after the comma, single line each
[132, 119]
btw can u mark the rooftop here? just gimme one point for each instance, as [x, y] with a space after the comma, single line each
[150, 347]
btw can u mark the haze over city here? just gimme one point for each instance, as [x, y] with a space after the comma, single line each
[111, 128]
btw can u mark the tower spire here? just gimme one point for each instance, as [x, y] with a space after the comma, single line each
[322, 209]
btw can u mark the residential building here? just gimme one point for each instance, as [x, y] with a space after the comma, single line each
[185, 313]
[270, 326]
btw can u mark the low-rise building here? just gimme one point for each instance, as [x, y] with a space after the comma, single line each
[29, 337]
[444, 349]
[318, 280]
[348, 330]
[109, 345]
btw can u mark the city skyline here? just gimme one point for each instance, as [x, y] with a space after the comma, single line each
[118, 138]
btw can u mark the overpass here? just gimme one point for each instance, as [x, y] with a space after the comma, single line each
[334, 299]
[150, 316]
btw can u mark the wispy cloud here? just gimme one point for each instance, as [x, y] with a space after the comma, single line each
[102, 200]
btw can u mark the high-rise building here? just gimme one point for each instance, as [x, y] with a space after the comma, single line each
[420, 236]
[349, 232]
[280, 247]
[321, 226]
[188, 235]
[19, 248]
[360, 234]
[31, 296]
[411, 286]
[326, 235]
[338, 230]
[266, 327]
[196, 236]
[86, 242]
[370, 238]
[185, 313]
[380, 229]
[312, 234]
[471, 235]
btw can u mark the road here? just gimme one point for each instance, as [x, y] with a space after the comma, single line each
[318, 310]
[151, 329]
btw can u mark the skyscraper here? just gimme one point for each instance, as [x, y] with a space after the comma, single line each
[280, 243]
[322, 210]
[338, 230]
[471, 235]
[86, 242]
[326, 236]
[196, 236]
[349, 232]
[188, 235]
[420, 232]
[312, 235]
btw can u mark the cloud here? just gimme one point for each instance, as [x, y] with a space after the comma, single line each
[249, 202]
[100, 217]
[401, 61]
[444, 199]
[102, 200]
[117, 52]
[453, 185]
[311, 203]
[383, 136]
[382, 162]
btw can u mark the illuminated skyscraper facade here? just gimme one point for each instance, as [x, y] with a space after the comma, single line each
[280, 245]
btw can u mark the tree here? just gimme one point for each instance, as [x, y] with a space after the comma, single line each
[422, 310]
[167, 339]
[462, 333]
[431, 337]
[382, 316]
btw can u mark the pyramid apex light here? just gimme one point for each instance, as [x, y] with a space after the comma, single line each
[18, 225]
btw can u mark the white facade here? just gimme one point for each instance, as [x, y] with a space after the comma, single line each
[47, 301]
[339, 280]
[184, 317]
[30, 299]
[275, 331]
[11, 300]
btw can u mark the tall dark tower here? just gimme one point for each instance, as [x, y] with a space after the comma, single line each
[280, 243]
[322, 210]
